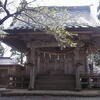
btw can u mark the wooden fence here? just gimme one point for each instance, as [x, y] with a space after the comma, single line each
[91, 80]
[18, 82]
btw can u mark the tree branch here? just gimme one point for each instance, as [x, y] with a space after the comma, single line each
[5, 4]
[0, 4]
[4, 9]
[34, 20]
[24, 22]
[7, 12]
[10, 15]
[5, 18]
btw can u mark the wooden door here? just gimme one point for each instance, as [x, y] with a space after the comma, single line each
[69, 65]
[52, 63]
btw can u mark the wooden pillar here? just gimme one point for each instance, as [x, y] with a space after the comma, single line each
[65, 65]
[77, 65]
[78, 85]
[86, 66]
[38, 63]
[56, 64]
[32, 78]
[21, 58]
[32, 69]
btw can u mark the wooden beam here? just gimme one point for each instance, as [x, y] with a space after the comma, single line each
[42, 44]
[96, 35]
[82, 32]
[44, 32]
[84, 36]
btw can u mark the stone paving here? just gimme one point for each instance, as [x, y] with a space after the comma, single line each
[48, 98]
[25, 92]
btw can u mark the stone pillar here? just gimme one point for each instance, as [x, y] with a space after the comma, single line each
[77, 65]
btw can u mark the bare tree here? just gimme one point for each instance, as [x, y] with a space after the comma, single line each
[40, 17]
[4, 9]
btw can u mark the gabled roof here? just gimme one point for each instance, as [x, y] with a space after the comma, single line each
[69, 17]
[75, 18]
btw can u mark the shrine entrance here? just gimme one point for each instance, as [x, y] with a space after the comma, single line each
[55, 70]
[55, 62]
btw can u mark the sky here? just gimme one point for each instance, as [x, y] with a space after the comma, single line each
[54, 2]
[64, 2]
[60, 2]
[15, 3]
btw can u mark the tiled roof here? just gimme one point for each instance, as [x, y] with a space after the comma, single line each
[7, 61]
[69, 17]
[2, 32]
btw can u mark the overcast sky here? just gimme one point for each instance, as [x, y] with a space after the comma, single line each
[58, 2]
[65, 2]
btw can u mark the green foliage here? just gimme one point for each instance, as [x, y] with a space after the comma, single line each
[54, 19]
[64, 37]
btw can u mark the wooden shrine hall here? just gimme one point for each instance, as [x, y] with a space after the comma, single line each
[49, 67]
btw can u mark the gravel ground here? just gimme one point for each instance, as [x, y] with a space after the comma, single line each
[48, 98]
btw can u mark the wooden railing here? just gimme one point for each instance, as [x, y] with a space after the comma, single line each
[90, 80]
[18, 82]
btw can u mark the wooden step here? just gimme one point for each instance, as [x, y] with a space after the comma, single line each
[55, 82]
